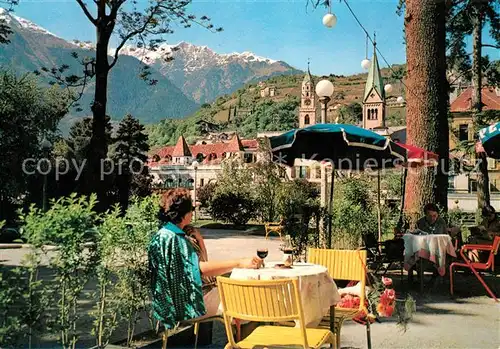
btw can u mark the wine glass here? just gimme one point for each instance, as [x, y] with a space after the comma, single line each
[262, 254]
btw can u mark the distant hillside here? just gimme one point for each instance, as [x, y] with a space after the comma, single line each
[246, 112]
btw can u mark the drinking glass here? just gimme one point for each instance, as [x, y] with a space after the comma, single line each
[262, 254]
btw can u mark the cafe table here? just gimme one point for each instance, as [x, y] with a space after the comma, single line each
[434, 248]
[317, 289]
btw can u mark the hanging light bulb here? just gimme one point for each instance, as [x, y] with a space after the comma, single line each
[365, 63]
[329, 20]
[400, 99]
[388, 88]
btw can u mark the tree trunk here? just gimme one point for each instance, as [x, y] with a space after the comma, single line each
[98, 142]
[483, 185]
[427, 102]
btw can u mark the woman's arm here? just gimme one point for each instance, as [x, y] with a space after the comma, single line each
[216, 268]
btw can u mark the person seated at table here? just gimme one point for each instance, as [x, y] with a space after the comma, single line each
[485, 232]
[432, 223]
[177, 271]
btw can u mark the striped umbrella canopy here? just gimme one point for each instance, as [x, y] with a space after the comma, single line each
[347, 147]
[418, 157]
[490, 138]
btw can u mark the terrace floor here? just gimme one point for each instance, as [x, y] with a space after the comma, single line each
[472, 320]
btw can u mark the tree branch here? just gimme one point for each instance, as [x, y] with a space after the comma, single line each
[489, 45]
[129, 36]
[86, 11]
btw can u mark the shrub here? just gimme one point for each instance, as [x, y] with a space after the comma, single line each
[236, 208]
[205, 194]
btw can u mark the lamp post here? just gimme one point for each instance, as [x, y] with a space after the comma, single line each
[324, 89]
[46, 146]
[195, 165]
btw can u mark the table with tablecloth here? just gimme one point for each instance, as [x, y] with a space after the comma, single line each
[317, 289]
[431, 247]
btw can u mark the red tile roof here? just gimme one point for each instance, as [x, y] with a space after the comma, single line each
[489, 97]
[213, 152]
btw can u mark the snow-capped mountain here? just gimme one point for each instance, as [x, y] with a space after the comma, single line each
[197, 73]
[205, 74]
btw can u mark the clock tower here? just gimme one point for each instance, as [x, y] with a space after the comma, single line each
[307, 110]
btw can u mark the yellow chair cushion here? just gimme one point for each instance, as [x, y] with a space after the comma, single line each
[283, 337]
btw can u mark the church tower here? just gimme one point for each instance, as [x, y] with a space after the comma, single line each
[307, 110]
[374, 96]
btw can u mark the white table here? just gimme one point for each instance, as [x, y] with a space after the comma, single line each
[431, 247]
[317, 289]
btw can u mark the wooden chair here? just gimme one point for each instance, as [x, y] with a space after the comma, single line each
[343, 265]
[185, 326]
[475, 266]
[274, 227]
[268, 301]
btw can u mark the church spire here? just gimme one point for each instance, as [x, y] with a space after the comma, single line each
[374, 81]
[308, 76]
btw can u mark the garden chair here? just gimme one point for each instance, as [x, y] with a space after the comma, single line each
[186, 325]
[475, 266]
[343, 265]
[268, 301]
[274, 227]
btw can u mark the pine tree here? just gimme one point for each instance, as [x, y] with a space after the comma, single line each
[427, 100]
[468, 18]
[130, 157]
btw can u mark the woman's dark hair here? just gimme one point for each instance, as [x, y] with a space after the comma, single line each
[174, 205]
[431, 208]
[488, 210]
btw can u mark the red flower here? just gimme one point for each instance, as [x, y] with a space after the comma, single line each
[386, 281]
[385, 310]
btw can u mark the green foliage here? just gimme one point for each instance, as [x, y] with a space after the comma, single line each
[12, 289]
[27, 112]
[205, 194]
[351, 114]
[297, 205]
[69, 223]
[461, 18]
[129, 153]
[354, 213]
[233, 207]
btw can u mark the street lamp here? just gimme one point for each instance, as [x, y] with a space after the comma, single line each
[329, 20]
[388, 88]
[365, 63]
[46, 146]
[324, 89]
[195, 165]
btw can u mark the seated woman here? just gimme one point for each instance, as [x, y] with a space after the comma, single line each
[177, 271]
[432, 223]
[485, 232]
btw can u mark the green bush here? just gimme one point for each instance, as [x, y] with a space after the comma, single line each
[236, 208]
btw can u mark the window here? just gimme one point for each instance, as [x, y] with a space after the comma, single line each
[202, 182]
[303, 171]
[318, 172]
[472, 186]
[492, 164]
[463, 132]
[307, 121]
[451, 183]
[248, 158]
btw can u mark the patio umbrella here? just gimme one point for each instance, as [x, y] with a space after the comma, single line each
[346, 147]
[490, 138]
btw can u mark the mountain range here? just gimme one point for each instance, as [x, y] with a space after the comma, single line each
[196, 75]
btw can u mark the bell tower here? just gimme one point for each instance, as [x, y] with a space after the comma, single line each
[374, 96]
[307, 110]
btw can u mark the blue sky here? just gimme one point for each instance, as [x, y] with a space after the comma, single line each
[278, 29]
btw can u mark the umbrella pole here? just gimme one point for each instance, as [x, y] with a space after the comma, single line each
[379, 214]
[330, 210]
[403, 190]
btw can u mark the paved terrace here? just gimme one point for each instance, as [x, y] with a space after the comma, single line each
[470, 321]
